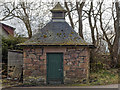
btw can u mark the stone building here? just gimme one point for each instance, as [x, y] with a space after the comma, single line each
[56, 54]
[6, 30]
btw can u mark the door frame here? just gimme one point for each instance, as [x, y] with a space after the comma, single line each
[62, 81]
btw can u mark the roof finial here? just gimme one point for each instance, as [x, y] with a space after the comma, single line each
[57, 8]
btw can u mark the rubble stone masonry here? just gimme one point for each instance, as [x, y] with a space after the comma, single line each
[75, 63]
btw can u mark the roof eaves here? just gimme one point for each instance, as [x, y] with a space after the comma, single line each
[90, 46]
[8, 26]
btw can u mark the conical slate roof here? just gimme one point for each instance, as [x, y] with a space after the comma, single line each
[56, 32]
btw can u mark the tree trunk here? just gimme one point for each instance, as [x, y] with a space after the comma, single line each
[113, 62]
[26, 20]
[117, 32]
[90, 23]
[69, 15]
[79, 8]
[28, 27]
[80, 24]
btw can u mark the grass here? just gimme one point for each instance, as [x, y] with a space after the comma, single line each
[10, 83]
[101, 77]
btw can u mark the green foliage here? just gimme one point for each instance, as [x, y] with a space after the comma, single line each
[10, 43]
[103, 77]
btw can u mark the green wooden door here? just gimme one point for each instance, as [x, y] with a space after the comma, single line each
[54, 68]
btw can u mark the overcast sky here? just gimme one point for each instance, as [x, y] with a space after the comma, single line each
[20, 28]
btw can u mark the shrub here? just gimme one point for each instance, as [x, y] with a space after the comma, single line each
[99, 61]
[10, 43]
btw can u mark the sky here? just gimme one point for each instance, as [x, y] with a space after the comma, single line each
[56, 0]
[20, 28]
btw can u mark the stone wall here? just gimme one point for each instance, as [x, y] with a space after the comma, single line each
[75, 62]
[34, 65]
[76, 65]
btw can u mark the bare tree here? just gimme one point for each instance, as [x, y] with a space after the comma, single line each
[27, 12]
[78, 7]
[93, 23]
[93, 12]
[117, 30]
[5, 11]
[69, 14]
[113, 40]
[18, 11]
